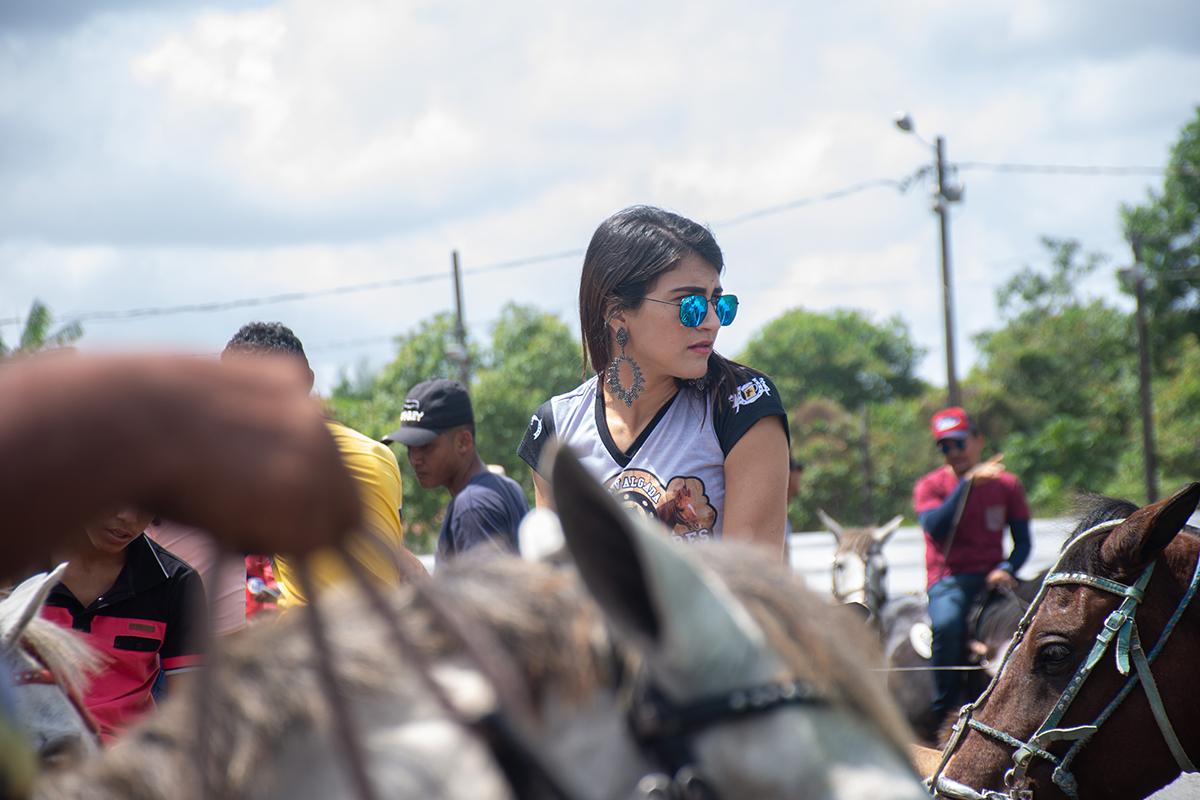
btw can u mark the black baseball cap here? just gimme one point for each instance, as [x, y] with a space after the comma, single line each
[430, 408]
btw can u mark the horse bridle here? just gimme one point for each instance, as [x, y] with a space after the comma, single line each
[666, 729]
[872, 599]
[1119, 626]
[41, 675]
[663, 727]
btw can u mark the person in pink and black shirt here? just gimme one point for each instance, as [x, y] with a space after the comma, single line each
[140, 606]
[964, 507]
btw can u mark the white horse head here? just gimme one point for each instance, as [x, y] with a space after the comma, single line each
[50, 668]
[859, 565]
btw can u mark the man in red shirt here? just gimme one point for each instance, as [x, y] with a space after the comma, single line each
[136, 603]
[964, 507]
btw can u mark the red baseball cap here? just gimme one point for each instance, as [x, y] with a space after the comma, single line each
[950, 423]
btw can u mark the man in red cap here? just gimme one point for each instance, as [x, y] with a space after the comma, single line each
[964, 507]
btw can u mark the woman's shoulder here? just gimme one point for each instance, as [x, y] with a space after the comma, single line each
[745, 395]
[741, 386]
[547, 420]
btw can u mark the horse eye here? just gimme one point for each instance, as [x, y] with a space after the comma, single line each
[1053, 658]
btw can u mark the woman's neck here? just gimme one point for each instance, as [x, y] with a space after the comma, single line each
[653, 397]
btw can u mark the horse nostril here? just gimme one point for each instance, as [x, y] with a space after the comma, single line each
[63, 752]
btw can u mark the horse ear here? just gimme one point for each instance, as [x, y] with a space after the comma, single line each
[1134, 546]
[699, 638]
[831, 523]
[23, 605]
[885, 531]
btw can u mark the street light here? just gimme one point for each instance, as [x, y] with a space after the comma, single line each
[946, 193]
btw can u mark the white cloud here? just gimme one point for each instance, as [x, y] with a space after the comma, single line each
[181, 155]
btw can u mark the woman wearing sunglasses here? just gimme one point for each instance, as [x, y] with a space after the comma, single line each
[666, 423]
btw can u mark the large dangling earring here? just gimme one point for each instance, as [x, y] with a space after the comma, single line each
[627, 396]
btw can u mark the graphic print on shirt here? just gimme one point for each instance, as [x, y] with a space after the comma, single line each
[748, 393]
[682, 505]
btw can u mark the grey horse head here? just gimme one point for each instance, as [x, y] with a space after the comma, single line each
[859, 565]
[50, 666]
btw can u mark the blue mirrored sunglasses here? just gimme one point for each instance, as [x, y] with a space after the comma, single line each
[694, 308]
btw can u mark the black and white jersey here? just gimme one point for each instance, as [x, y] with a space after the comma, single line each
[675, 470]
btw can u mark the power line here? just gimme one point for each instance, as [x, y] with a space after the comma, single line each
[808, 201]
[836, 194]
[1070, 169]
[288, 297]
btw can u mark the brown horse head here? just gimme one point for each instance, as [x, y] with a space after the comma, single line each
[677, 509]
[1126, 754]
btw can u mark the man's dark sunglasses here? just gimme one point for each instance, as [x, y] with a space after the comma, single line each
[948, 446]
[694, 308]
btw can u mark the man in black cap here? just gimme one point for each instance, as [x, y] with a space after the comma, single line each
[438, 428]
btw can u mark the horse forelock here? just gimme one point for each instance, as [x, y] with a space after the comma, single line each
[859, 541]
[1093, 510]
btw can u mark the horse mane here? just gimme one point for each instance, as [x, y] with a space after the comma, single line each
[265, 688]
[68, 657]
[1092, 509]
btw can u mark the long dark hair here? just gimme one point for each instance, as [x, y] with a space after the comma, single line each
[627, 254]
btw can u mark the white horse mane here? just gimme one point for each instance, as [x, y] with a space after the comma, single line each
[70, 659]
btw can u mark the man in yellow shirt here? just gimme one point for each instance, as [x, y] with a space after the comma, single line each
[379, 544]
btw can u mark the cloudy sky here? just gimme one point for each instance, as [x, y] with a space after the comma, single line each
[160, 154]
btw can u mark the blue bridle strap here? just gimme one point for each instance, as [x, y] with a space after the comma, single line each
[1143, 662]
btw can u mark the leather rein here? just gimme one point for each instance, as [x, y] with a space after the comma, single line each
[1120, 626]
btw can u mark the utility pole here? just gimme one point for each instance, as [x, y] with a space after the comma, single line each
[460, 353]
[946, 194]
[868, 467]
[1137, 276]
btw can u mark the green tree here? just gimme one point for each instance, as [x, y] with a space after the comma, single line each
[837, 372]
[372, 404]
[1056, 387]
[533, 357]
[1166, 231]
[841, 355]
[1177, 400]
[36, 334]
